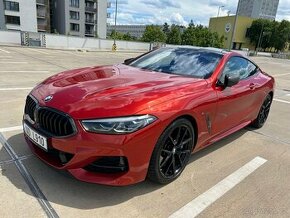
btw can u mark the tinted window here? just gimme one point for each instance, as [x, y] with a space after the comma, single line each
[11, 6]
[74, 3]
[238, 65]
[74, 15]
[75, 27]
[12, 20]
[182, 61]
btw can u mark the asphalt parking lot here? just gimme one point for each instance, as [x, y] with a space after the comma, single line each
[244, 175]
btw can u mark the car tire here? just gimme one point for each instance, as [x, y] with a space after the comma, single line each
[171, 152]
[263, 113]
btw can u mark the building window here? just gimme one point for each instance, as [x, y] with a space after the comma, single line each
[75, 27]
[11, 6]
[74, 3]
[89, 4]
[74, 15]
[12, 20]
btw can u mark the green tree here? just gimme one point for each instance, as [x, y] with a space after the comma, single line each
[174, 35]
[128, 37]
[274, 34]
[166, 28]
[270, 34]
[188, 37]
[116, 35]
[283, 35]
[191, 24]
[153, 33]
[201, 36]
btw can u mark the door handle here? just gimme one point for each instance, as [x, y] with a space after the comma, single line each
[252, 86]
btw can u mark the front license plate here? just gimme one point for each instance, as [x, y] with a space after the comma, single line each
[38, 139]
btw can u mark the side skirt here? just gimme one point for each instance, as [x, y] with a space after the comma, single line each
[223, 135]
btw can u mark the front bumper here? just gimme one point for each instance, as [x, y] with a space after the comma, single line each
[78, 152]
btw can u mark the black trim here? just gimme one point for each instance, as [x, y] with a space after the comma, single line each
[35, 124]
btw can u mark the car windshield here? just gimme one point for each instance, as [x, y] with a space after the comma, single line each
[196, 63]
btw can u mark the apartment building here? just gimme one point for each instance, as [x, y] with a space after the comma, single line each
[79, 17]
[266, 9]
[134, 30]
[25, 15]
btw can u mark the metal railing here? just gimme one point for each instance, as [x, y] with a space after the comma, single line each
[91, 8]
[88, 32]
[42, 2]
[90, 21]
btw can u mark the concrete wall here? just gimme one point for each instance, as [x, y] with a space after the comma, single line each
[2, 18]
[10, 37]
[102, 19]
[72, 42]
[28, 17]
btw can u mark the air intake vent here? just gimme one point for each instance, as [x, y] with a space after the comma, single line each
[30, 107]
[55, 123]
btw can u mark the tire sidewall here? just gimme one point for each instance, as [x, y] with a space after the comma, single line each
[154, 162]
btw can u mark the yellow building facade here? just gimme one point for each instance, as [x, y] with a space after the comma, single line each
[224, 27]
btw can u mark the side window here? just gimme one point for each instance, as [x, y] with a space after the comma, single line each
[252, 68]
[238, 65]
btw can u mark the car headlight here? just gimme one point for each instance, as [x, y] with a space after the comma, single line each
[121, 125]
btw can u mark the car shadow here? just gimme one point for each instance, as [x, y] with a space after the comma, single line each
[61, 189]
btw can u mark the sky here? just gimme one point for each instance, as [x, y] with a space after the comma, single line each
[179, 12]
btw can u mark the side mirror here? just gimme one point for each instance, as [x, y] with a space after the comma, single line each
[231, 80]
[129, 61]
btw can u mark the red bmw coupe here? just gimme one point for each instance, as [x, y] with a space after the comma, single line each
[118, 125]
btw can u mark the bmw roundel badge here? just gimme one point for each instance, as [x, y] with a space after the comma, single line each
[48, 98]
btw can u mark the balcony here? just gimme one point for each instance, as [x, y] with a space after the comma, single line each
[90, 21]
[41, 2]
[41, 28]
[89, 33]
[41, 14]
[91, 9]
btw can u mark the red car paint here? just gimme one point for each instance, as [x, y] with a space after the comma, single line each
[121, 90]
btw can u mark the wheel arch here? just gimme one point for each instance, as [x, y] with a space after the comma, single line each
[271, 93]
[193, 122]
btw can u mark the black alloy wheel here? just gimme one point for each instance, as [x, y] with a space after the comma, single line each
[172, 152]
[263, 113]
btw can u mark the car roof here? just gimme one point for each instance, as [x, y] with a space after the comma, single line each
[209, 49]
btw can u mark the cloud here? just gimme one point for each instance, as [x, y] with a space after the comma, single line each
[176, 18]
[179, 12]
[217, 2]
[161, 3]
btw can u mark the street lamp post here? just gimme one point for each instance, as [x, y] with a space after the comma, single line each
[263, 16]
[221, 6]
[260, 38]
[234, 28]
[114, 48]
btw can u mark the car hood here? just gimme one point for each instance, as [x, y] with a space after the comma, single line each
[110, 91]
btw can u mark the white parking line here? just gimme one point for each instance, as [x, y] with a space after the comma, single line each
[199, 204]
[4, 51]
[24, 71]
[282, 101]
[16, 89]
[10, 129]
[283, 74]
[36, 50]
